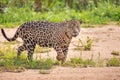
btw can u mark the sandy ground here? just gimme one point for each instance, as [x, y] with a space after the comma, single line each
[106, 39]
[66, 73]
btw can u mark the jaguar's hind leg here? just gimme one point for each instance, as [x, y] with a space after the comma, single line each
[30, 54]
[21, 49]
[30, 50]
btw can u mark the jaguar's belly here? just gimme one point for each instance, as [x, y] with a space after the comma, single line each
[45, 43]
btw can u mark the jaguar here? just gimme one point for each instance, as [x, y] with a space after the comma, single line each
[57, 35]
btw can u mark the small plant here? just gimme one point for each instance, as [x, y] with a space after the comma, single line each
[113, 62]
[100, 61]
[76, 62]
[33, 64]
[47, 64]
[89, 63]
[86, 45]
[79, 62]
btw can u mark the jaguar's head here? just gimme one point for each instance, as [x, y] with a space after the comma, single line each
[74, 26]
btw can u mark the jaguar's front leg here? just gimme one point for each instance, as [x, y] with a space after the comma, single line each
[60, 55]
[65, 51]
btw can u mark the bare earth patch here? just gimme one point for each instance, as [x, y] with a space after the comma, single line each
[106, 39]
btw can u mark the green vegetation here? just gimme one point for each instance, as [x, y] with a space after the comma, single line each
[113, 62]
[82, 63]
[9, 62]
[90, 11]
[84, 45]
[79, 62]
[14, 13]
[100, 62]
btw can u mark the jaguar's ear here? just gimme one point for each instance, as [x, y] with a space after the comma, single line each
[80, 21]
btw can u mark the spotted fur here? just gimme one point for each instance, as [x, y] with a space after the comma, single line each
[46, 34]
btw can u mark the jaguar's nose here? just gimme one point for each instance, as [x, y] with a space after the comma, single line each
[75, 34]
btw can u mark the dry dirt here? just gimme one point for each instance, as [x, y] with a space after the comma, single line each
[106, 39]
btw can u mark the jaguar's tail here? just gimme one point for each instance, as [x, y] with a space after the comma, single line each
[9, 39]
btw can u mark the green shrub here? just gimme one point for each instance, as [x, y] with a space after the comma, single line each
[85, 45]
[8, 60]
[113, 62]
[47, 64]
[103, 14]
[75, 62]
[89, 63]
